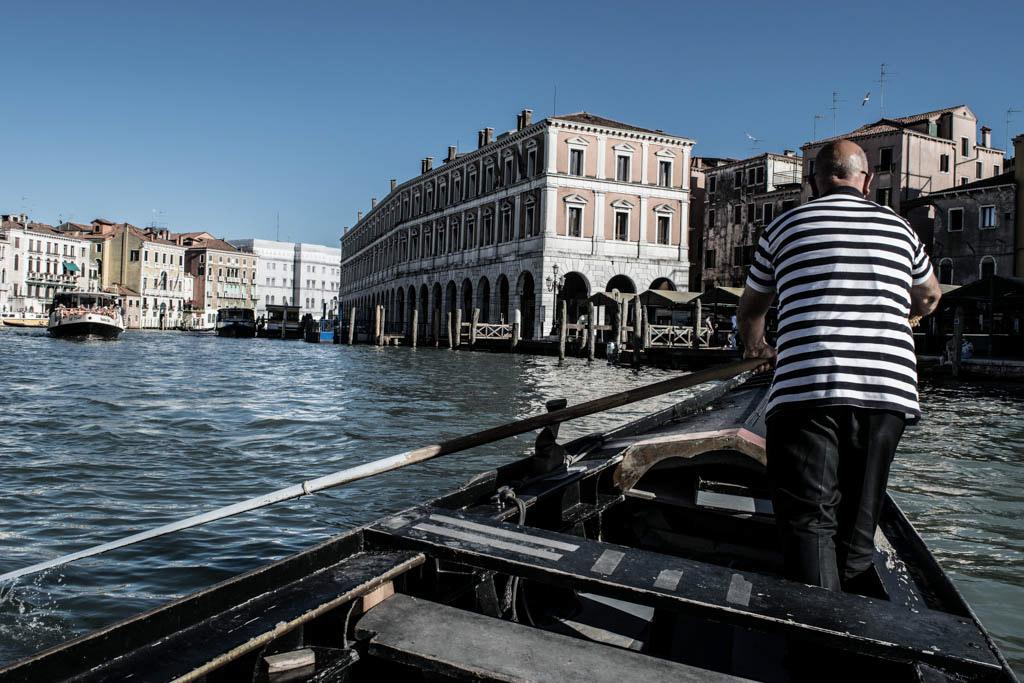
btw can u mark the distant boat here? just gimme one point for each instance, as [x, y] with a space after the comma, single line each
[25, 322]
[236, 322]
[85, 315]
[281, 322]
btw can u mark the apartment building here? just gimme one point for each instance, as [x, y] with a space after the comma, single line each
[223, 276]
[36, 262]
[299, 274]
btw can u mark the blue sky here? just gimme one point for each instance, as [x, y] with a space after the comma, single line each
[218, 115]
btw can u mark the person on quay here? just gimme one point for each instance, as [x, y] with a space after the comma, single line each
[849, 274]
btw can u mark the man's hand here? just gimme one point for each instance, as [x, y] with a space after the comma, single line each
[762, 350]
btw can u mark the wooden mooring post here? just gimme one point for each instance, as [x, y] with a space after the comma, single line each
[352, 325]
[958, 334]
[415, 327]
[517, 326]
[591, 332]
[451, 333]
[458, 328]
[563, 332]
[472, 327]
[697, 325]
[637, 337]
[620, 326]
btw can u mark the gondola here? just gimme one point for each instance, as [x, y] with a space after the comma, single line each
[646, 553]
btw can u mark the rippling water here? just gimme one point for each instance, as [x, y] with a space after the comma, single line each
[99, 440]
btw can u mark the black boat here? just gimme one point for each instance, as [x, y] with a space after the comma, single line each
[236, 322]
[281, 322]
[85, 315]
[646, 553]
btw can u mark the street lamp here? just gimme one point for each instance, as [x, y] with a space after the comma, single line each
[554, 284]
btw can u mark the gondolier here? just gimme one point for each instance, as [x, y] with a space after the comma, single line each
[849, 273]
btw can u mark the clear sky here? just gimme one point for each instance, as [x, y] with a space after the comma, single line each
[217, 115]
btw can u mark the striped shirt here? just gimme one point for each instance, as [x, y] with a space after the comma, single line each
[843, 267]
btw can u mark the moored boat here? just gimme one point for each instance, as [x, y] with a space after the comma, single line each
[236, 322]
[281, 322]
[85, 315]
[642, 553]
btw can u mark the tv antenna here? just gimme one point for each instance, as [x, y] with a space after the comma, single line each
[157, 221]
[1010, 111]
[277, 233]
[835, 108]
[883, 77]
[814, 127]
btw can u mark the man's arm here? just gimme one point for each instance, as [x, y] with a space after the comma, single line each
[750, 313]
[925, 297]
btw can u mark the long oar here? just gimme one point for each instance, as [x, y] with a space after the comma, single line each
[394, 462]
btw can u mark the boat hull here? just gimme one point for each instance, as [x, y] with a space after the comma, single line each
[242, 330]
[86, 329]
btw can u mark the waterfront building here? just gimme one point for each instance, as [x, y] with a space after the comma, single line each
[144, 265]
[551, 211]
[742, 197]
[974, 229]
[223, 276]
[297, 274]
[38, 261]
[913, 156]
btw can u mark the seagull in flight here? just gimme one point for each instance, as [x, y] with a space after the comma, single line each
[867, 96]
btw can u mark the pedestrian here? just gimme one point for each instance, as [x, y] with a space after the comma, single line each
[849, 274]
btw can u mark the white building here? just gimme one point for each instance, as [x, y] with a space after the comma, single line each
[296, 274]
[38, 261]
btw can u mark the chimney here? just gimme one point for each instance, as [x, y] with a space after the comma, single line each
[519, 121]
[488, 136]
[428, 164]
[986, 136]
[359, 216]
[452, 152]
[373, 203]
[788, 153]
[480, 139]
[527, 117]
[393, 184]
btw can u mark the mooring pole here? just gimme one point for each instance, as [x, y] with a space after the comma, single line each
[472, 327]
[563, 332]
[696, 325]
[352, 325]
[591, 332]
[451, 333]
[415, 327]
[517, 329]
[458, 327]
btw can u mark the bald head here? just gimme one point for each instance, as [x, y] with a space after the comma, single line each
[841, 164]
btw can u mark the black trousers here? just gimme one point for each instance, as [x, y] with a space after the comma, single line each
[829, 467]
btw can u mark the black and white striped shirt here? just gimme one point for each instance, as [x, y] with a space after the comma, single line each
[843, 267]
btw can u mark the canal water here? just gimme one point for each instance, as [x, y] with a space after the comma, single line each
[102, 439]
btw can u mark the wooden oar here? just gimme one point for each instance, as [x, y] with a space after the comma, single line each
[394, 462]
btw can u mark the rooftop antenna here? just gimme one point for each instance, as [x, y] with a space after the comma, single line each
[1010, 111]
[882, 73]
[554, 101]
[156, 222]
[835, 108]
[814, 127]
[277, 234]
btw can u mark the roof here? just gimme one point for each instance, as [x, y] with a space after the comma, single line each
[595, 120]
[667, 298]
[917, 118]
[994, 288]
[611, 298]
[200, 242]
[721, 295]
[995, 181]
[892, 124]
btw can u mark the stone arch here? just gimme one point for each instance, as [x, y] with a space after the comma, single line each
[946, 271]
[437, 308]
[483, 299]
[664, 284]
[451, 299]
[467, 300]
[526, 290]
[987, 266]
[400, 310]
[622, 283]
[503, 311]
[575, 292]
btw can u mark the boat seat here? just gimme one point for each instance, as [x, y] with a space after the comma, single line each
[464, 645]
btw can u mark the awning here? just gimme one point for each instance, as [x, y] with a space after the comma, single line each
[667, 298]
[71, 266]
[610, 298]
[728, 296]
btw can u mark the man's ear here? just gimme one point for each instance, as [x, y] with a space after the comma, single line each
[868, 179]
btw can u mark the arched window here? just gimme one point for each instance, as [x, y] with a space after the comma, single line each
[946, 271]
[987, 266]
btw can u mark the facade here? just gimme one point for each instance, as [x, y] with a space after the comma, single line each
[552, 211]
[37, 261]
[974, 230]
[142, 264]
[918, 155]
[305, 275]
[222, 276]
[742, 197]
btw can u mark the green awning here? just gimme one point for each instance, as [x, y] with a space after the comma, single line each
[71, 266]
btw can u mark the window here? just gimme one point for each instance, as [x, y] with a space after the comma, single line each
[145, 256]
[750, 213]
[751, 176]
[965, 147]
[996, 169]
[507, 177]
[883, 196]
[944, 163]
[575, 162]
[622, 168]
[575, 221]
[760, 175]
[711, 218]
[768, 213]
[757, 212]
[621, 225]
[956, 220]
[884, 159]
[665, 173]
[664, 230]
[737, 214]
[489, 178]
[946, 272]
[712, 184]
[709, 258]
[528, 213]
[988, 217]
[963, 180]
[133, 255]
[988, 266]
[531, 162]
[737, 178]
[977, 169]
[506, 225]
